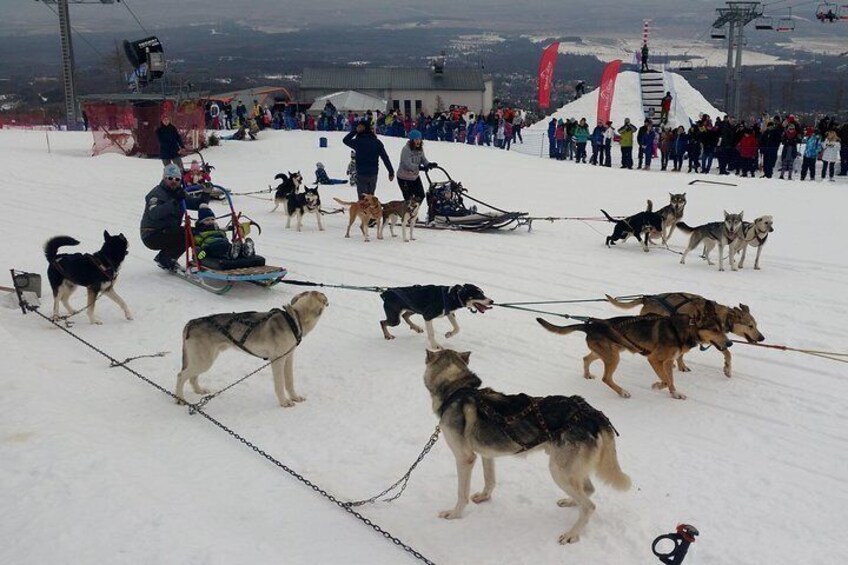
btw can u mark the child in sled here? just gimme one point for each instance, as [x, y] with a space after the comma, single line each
[213, 242]
[321, 176]
[195, 175]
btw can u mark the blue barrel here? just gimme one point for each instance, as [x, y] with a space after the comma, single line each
[322, 142]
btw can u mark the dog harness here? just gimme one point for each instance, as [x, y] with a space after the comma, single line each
[531, 421]
[250, 323]
[671, 309]
[103, 264]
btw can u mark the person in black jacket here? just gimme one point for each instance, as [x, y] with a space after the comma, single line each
[170, 143]
[161, 223]
[769, 145]
[368, 150]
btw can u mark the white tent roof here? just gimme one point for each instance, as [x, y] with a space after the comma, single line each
[349, 101]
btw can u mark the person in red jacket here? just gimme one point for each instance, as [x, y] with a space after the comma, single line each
[748, 149]
[665, 108]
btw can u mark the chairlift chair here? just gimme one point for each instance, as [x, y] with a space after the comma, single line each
[718, 34]
[685, 66]
[764, 23]
[785, 25]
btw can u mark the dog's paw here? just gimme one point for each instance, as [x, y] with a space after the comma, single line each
[451, 514]
[733, 269]
[347, 235]
[412, 239]
[756, 268]
[624, 394]
[659, 385]
[298, 398]
[450, 334]
[720, 268]
[417, 329]
[479, 497]
[130, 317]
[97, 322]
[569, 537]
[588, 376]
[727, 372]
[180, 401]
[286, 403]
[566, 503]
[678, 395]
[389, 337]
[201, 391]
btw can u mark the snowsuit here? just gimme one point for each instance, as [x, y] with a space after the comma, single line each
[559, 139]
[693, 148]
[709, 139]
[830, 155]
[665, 108]
[812, 147]
[552, 145]
[678, 150]
[606, 156]
[769, 145]
[321, 177]
[597, 143]
[626, 143]
[790, 151]
[581, 136]
[648, 146]
[211, 242]
[161, 221]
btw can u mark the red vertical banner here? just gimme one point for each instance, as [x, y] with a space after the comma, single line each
[546, 73]
[607, 90]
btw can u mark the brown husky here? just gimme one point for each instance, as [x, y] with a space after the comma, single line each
[734, 319]
[579, 439]
[661, 339]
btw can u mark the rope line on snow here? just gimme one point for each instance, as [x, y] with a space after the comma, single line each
[198, 409]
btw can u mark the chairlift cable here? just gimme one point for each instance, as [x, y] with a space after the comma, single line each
[79, 34]
[127, 6]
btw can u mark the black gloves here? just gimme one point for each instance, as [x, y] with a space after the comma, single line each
[180, 194]
[432, 165]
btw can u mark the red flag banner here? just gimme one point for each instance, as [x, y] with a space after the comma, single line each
[607, 90]
[546, 73]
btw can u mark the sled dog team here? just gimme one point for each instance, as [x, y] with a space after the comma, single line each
[733, 233]
[579, 439]
[368, 210]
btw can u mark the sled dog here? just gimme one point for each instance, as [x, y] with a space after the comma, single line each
[661, 339]
[272, 335]
[307, 202]
[640, 225]
[288, 186]
[97, 272]
[671, 213]
[431, 302]
[754, 234]
[367, 209]
[734, 319]
[406, 211]
[723, 233]
[579, 440]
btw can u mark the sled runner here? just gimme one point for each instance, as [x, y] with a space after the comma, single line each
[219, 274]
[446, 209]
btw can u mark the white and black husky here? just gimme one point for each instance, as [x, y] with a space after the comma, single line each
[723, 233]
[288, 186]
[307, 202]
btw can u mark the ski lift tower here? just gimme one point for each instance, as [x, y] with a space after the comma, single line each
[734, 18]
[68, 55]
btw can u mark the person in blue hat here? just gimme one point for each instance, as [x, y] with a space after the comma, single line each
[412, 162]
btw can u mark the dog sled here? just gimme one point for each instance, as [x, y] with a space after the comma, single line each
[219, 275]
[446, 209]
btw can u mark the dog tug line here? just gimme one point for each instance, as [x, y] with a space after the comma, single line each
[523, 306]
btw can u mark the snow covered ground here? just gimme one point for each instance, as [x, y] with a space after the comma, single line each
[688, 103]
[99, 467]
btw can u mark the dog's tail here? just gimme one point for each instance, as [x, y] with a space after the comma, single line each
[281, 176]
[343, 202]
[51, 248]
[608, 468]
[684, 227]
[561, 330]
[625, 304]
[650, 207]
[610, 218]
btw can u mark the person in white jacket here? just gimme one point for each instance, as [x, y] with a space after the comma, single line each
[412, 162]
[830, 154]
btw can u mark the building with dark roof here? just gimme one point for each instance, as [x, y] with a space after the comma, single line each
[409, 90]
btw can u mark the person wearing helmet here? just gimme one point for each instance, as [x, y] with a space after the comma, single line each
[412, 162]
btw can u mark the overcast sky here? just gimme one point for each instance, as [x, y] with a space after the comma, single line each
[675, 18]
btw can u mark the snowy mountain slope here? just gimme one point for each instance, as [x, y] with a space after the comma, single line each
[627, 103]
[99, 467]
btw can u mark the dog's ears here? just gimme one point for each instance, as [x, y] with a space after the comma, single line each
[106, 234]
[744, 308]
[742, 213]
[465, 355]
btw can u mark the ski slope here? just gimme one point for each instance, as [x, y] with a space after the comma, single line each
[99, 467]
[687, 107]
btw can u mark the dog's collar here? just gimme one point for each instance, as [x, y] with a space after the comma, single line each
[291, 318]
[105, 266]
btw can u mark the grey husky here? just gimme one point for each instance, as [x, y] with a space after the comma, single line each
[671, 213]
[723, 233]
[272, 335]
[579, 440]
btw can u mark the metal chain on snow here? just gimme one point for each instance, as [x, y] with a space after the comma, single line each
[198, 410]
[193, 408]
[114, 364]
[434, 437]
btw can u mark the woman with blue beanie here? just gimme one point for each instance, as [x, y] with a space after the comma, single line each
[412, 162]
